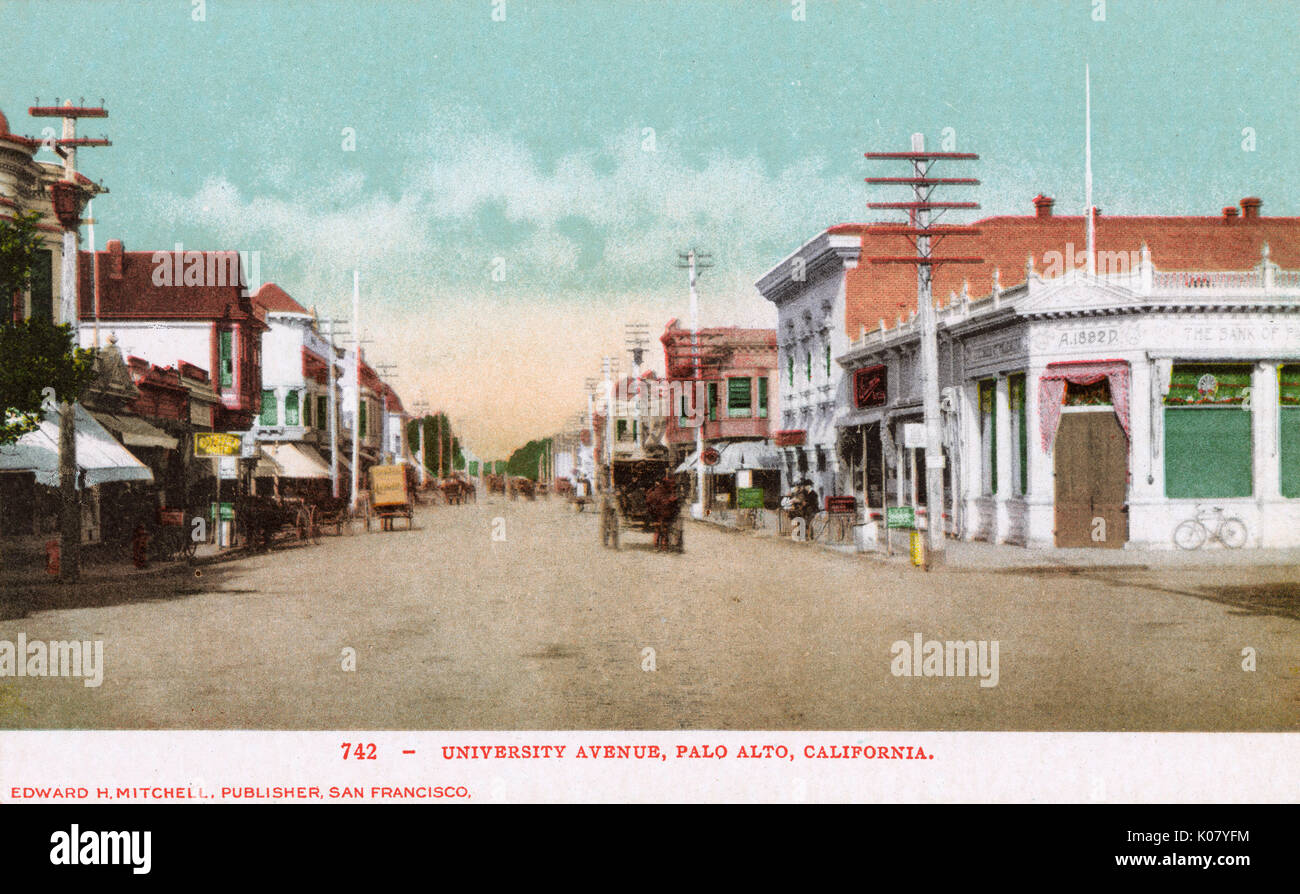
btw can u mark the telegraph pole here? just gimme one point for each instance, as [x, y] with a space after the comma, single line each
[356, 397]
[637, 337]
[67, 197]
[922, 229]
[694, 261]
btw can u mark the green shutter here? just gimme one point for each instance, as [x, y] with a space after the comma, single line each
[762, 397]
[789, 368]
[1017, 387]
[808, 364]
[270, 410]
[361, 431]
[828, 361]
[322, 412]
[291, 408]
[713, 401]
[226, 360]
[1208, 452]
[306, 411]
[1289, 434]
[739, 393]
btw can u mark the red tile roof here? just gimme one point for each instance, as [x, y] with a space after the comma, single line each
[273, 298]
[128, 290]
[876, 291]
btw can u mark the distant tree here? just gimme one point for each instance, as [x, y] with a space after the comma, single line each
[525, 461]
[39, 361]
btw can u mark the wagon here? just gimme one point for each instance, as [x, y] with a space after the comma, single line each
[390, 496]
[262, 520]
[642, 500]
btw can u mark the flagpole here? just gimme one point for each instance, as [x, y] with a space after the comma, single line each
[1087, 171]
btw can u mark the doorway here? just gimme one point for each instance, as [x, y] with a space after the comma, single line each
[1091, 464]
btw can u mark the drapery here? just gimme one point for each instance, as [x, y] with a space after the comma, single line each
[1051, 392]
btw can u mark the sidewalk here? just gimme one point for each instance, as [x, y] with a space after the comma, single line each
[977, 555]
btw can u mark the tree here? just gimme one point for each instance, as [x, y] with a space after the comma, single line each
[40, 363]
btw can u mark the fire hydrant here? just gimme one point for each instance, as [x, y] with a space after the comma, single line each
[52, 557]
[140, 547]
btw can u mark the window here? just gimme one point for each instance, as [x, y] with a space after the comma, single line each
[807, 362]
[291, 408]
[713, 401]
[1289, 429]
[1208, 443]
[828, 362]
[739, 397]
[361, 429]
[43, 285]
[789, 369]
[270, 409]
[762, 397]
[226, 357]
[322, 412]
[620, 429]
[306, 411]
[988, 437]
[1019, 436]
[684, 413]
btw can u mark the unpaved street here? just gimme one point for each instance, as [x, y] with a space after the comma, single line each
[546, 630]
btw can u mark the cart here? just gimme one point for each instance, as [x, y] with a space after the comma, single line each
[642, 500]
[390, 496]
[262, 520]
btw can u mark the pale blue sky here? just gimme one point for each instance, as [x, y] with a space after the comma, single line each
[525, 140]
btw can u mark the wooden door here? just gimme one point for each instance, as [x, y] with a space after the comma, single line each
[1091, 460]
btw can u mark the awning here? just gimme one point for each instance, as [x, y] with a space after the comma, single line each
[736, 455]
[135, 432]
[295, 461]
[100, 458]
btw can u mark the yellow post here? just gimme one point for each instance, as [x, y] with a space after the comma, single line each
[918, 548]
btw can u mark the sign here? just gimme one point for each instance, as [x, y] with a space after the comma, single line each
[744, 478]
[228, 468]
[227, 511]
[900, 517]
[791, 437]
[869, 387]
[749, 498]
[914, 434]
[710, 456]
[217, 443]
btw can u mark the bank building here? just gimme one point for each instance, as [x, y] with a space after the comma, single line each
[1095, 401]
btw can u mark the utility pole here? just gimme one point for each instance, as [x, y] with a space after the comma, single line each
[694, 261]
[1087, 171]
[67, 197]
[356, 397]
[637, 337]
[423, 409]
[922, 229]
[334, 412]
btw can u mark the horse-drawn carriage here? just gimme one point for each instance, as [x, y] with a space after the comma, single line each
[496, 484]
[519, 486]
[645, 498]
[457, 489]
[390, 496]
[262, 520]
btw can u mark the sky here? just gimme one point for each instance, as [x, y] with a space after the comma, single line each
[514, 191]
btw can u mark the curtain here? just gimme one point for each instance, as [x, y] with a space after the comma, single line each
[1051, 392]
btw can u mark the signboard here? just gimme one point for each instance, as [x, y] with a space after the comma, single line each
[790, 437]
[900, 517]
[744, 478]
[217, 443]
[710, 456]
[228, 468]
[869, 387]
[227, 511]
[914, 434]
[749, 498]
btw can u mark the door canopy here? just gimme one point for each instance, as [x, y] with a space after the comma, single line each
[1051, 391]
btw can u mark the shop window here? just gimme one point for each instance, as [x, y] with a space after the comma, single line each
[270, 409]
[1019, 436]
[1208, 441]
[988, 437]
[1289, 429]
[713, 401]
[739, 397]
[226, 357]
[291, 408]
[322, 412]
[43, 285]
[762, 397]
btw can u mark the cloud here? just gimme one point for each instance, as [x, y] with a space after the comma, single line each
[586, 243]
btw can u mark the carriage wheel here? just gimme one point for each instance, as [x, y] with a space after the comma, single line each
[188, 546]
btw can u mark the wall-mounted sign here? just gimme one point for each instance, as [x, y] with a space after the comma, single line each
[869, 387]
[710, 456]
[913, 435]
[749, 498]
[216, 443]
[790, 437]
[900, 517]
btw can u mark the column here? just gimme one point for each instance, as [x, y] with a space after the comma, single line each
[1264, 429]
[972, 465]
[1040, 502]
[1002, 433]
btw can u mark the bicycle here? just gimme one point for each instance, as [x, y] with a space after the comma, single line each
[1193, 533]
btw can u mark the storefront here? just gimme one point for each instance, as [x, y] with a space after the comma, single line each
[1103, 412]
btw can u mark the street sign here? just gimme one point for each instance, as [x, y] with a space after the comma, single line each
[900, 517]
[749, 498]
[217, 443]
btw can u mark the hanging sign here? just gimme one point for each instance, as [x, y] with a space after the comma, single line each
[869, 387]
[217, 443]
